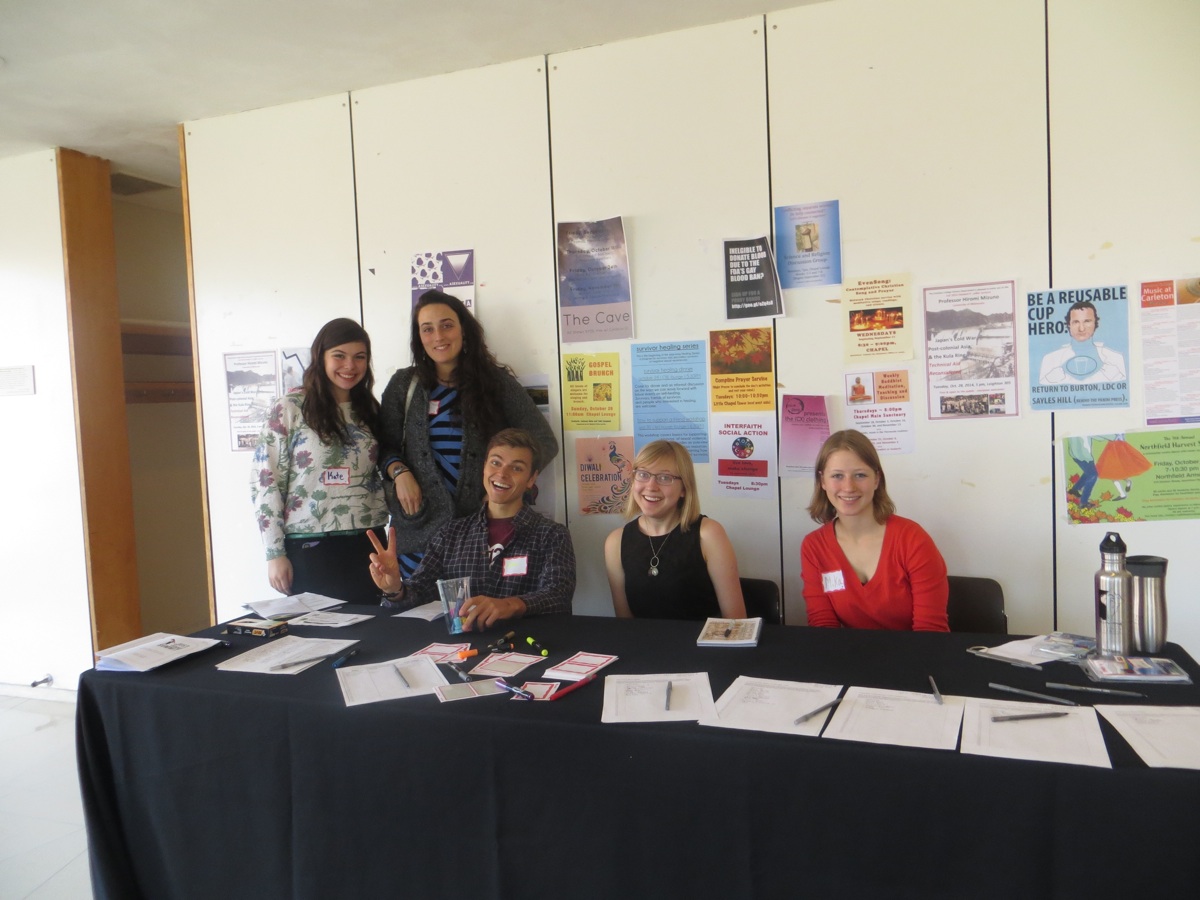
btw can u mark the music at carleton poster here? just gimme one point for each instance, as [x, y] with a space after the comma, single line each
[1132, 477]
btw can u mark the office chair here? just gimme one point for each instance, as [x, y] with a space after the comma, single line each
[976, 604]
[762, 600]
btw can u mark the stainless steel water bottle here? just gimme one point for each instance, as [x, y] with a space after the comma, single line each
[1114, 590]
[1149, 602]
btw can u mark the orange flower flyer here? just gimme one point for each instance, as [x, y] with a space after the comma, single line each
[742, 369]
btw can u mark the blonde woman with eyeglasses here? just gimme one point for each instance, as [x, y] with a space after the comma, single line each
[670, 562]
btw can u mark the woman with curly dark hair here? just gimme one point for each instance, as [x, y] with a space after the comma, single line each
[437, 417]
[315, 483]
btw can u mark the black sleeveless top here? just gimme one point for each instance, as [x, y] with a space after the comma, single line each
[682, 588]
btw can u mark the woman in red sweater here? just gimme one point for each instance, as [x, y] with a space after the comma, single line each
[867, 567]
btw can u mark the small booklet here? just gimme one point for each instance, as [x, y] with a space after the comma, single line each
[1135, 668]
[730, 633]
[144, 654]
[295, 605]
[579, 666]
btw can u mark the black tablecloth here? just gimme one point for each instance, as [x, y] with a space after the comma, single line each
[206, 784]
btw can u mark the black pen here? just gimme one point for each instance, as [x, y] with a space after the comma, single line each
[937, 695]
[1025, 693]
[341, 660]
[1092, 690]
[459, 671]
[820, 709]
[1022, 717]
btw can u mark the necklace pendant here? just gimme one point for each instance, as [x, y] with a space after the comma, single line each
[653, 570]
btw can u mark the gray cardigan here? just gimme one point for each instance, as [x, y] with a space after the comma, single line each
[396, 430]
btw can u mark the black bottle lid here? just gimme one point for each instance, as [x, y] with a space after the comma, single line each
[1112, 543]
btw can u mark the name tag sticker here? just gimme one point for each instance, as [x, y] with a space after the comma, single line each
[833, 581]
[335, 476]
[434, 406]
[516, 565]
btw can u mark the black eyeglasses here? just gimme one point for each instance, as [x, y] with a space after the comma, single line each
[663, 478]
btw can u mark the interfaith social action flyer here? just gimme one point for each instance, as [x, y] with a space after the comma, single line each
[1078, 348]
[670, 395]
[591, 391]
[742, 369]
[808, 244]
[743, 448]
[594, 295]
[970, 350]
[877, 323]
[1132, 477]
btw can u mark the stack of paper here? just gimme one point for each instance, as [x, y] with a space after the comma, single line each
[144, 654]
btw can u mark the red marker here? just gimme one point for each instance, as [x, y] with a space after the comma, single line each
[562, 692]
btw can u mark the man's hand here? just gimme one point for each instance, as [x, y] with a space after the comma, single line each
[385, 568]
[481, 613]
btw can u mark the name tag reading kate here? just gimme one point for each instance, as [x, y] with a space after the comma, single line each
[516, 565]
[335, 476]
[833, 581]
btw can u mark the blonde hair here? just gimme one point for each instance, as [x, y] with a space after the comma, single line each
[860, 445]
[675, 455]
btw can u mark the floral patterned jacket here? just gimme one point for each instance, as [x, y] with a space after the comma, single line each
[302, 486]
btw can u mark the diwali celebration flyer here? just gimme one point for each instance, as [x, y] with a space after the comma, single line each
[877, 318]
[591, 391]
[604, 474]
[742, 369]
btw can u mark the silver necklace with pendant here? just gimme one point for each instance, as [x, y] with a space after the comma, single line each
[653, 570]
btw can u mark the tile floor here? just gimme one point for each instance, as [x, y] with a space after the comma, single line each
[43, 848]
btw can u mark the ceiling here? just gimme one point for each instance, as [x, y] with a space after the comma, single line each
[113, 78]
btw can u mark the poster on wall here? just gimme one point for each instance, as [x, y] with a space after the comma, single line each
[751, 283]
[803, 428]
[880, 406]
[594, 296]
[591, 391]
[670, 395]
[742, 369]
[1078, 345]
[604, 474]
[537, 386]
[17, 381]
[1171, 351]
[449, 271]
[808, 242]
[743, 448]
[292, 363]
[970, 350]
[1133, 477]
[876, 321]
[251, 385]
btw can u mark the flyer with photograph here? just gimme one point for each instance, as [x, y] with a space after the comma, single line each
[594, 296]
[808, 243]
[880, 406]
[970, 356]
[1078, 347]
[742, 369]
[877, 318]
[251, 384]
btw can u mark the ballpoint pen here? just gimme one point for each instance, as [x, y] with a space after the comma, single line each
[1022, 717]
[1092, 690]
[667, 705]
[344, 658]
[459, 671]
[403, 680]
[520, 692]
[937, 695]
[820, 709]
[562, 692]
[299, 662]
[1025, 693]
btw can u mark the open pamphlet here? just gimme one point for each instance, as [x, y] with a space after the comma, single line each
[730, 633]
[1135, 668]
[1062, 645]
[295, 605]
[146, 653]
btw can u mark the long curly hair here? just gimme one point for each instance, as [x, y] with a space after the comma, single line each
[475, 372]
[320, 407]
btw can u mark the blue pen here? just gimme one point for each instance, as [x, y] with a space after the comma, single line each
[344, 658]
[520, 692]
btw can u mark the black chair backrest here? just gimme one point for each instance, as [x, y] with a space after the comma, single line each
[762, 600]
[976, 604]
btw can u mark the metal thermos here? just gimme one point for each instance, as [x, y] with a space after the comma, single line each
[1149, 602]
[1114, 594]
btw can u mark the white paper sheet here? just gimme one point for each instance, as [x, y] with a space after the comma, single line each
[1074, 738]
[427, 611]
[903, 718]
[295, 605]
[288, 648]
[146, 653]
[411, 676]
[324, 619]
[765, 704]
[1165, 737]
[644, 698]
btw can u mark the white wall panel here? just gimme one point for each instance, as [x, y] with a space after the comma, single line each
[45, 620]
[274, 257]
[926, 120]
[461, 162]
[670, 132]
[1124, 134]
